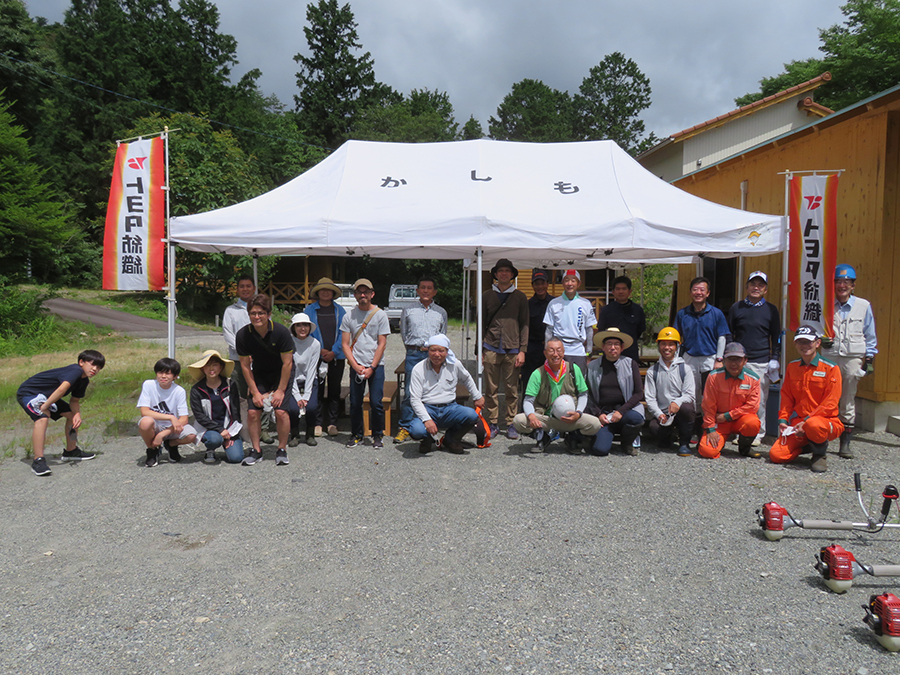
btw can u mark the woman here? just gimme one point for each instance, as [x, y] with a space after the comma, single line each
[305, 384]
[215, 404]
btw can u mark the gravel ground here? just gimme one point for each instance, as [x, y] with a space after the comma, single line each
[499, 561]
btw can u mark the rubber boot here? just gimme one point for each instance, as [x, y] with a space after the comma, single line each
[819, 459]
[629, 433]
[745, 447]
[845, 451]
[452, 442]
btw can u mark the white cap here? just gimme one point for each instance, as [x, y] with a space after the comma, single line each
[760, 274]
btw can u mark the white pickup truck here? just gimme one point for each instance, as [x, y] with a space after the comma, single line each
[399, 297]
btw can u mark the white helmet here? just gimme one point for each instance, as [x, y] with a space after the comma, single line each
[563, 405]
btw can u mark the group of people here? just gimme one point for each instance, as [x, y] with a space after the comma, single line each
[708, 384]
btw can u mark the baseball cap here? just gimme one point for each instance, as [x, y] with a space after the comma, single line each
[540, 274]
[806, 333]
[760, 274]
[734, 349]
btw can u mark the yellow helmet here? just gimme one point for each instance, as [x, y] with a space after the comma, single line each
[669, 334]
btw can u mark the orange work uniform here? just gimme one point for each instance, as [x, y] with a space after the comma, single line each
[809, 394]
[735, 397]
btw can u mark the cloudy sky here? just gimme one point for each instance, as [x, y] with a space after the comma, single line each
[699, 55]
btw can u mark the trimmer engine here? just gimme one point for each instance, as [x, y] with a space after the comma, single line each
[883, 615]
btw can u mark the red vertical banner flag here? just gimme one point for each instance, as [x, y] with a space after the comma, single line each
[133, 250]
[813, 252]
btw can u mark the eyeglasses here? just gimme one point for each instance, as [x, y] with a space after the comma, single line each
[258, 313]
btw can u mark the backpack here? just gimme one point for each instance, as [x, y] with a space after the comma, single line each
[482, 430]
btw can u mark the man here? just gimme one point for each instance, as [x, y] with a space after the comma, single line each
[537, 308]
[555, 379]
[756, 324]
[669, 391]
[418, 323]
[853, 348]
[432, 387]
[808, 417]
[327, 315]
[571, 319]
[730, 402]
[364, 332]
[235, 318]
[624, 314]
[266, 352]
[505, 324]
[704, 332]
[615, 391]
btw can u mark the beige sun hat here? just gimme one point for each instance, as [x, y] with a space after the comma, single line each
[626, 339]
[196, 369]
[325, 283]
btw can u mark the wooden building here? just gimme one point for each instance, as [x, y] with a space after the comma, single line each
[863, 140]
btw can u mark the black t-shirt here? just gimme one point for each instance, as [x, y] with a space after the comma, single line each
[327, 318]
[48, 381]
[265, 352]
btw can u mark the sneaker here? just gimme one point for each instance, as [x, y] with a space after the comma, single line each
[39, 467]
[311, 440]
[332, 430]
[684, 451]
[77, 454]
[542, 442]
[294, 441]
[254, 457]
[401, 436]
[265, 438]
[318, 430]
[377, 442]
[757, 442]
[353, 442]
[174, 455]
[281, 458]
[494, 429]
[511, 433]
[695, 440]
[210, 457]
[572, 443]
[152, 456]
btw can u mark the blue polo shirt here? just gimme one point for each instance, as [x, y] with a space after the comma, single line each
[700, 331]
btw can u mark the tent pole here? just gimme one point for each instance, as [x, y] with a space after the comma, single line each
[170, 301]
[478, 292]
[463, 345]
[642, 284]
[256, 270]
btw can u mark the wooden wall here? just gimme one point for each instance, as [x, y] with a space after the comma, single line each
[867, 146]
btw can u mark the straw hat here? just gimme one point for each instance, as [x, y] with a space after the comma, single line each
[626, 339]
[325, 283]
[196, 369]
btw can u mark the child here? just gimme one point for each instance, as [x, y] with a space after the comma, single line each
[41, 395]
[164, 413]
[305, 387]
[215, 403]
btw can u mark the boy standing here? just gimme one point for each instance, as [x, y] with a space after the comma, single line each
[164, 413]
[41, 397]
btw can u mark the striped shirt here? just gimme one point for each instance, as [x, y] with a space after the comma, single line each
[418, 323]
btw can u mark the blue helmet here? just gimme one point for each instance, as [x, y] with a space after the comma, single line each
[844, 272]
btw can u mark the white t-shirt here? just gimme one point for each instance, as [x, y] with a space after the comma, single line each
[171, 401]
[364, 349]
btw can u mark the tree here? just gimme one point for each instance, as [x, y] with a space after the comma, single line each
[533, 112]
[425, 117]
[35, 228]
[472, 130]
[863, 56]
[334, 82]
[610, 101]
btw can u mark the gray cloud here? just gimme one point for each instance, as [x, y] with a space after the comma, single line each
[698, 55]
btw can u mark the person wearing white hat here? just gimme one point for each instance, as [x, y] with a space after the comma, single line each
[432, 394]
[756, 324]
[556, 381]
[215, 403]
[305, 385]
[571, 319]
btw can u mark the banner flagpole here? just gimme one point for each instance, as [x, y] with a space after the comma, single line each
[170, 300]
[785, 261]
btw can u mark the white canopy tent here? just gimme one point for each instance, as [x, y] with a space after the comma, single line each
[582, 205]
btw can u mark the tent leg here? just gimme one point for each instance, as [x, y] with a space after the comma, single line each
[478, 293]
[256, 271]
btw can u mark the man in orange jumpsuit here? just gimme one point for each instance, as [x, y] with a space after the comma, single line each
[809, 402]
[730, 404]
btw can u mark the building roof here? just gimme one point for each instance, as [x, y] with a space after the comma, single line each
[756, 106]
